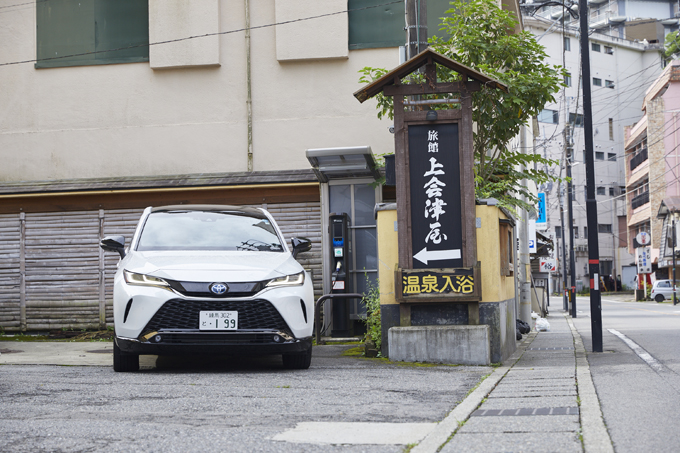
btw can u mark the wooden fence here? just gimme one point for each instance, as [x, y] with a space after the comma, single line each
[53, 274]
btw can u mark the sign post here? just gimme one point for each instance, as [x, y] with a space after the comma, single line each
[435, 186]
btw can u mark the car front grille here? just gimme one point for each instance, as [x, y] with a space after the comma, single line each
[179, 314]
[202, 289]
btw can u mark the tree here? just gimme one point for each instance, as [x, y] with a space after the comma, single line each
[671, 46]
[481, 36]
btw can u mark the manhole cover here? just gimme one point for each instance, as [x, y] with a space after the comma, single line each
[101, 351]
[9, 351]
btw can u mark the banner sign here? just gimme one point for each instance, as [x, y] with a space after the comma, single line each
[644, 260]
[542, 220]
[432, 284]
[547, 265]
[436, 218]
[532, 236]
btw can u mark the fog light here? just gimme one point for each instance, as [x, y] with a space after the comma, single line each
[277, 339]
[157, 338]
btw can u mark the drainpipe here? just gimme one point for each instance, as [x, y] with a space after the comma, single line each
[249, 97]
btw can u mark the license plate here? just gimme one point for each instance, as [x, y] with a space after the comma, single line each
[218, 320]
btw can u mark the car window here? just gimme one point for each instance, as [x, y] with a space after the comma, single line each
[208, 230]
[664, 285]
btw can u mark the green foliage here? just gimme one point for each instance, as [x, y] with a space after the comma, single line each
[481, 37]
[373, 325]
[671, 45]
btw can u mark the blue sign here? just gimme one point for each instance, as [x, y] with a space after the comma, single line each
[542, 220]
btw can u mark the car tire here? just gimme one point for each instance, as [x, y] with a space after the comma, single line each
[298, 361]
[124, 361]
[659, 298]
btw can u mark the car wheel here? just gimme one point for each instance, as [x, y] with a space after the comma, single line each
[298, 361]
[659, 298]
[123, 361]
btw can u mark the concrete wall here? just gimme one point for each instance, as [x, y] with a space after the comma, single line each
[132, 120]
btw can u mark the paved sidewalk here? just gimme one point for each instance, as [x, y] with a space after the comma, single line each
[531, 403]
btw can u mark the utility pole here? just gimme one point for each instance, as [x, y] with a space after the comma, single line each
[675, 237]
[591, 203]
[570, 206]
[416, 27]
[564, 254]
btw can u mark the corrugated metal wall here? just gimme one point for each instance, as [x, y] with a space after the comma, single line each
[68, 279]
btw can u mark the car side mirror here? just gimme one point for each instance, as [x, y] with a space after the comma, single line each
[113, 244]
[300, 245]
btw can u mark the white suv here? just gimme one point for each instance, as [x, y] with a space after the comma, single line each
[210, 280]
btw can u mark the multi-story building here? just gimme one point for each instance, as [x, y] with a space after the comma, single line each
[621, 71]
[653, 169]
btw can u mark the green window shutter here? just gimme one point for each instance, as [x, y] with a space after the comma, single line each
[67, 28]
[373, 26]
[64, 27]
[436, 9]
[122, 24]
[381, 26]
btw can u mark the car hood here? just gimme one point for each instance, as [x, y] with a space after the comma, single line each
[223, 266]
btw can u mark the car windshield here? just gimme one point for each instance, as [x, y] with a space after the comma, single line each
[208, 230]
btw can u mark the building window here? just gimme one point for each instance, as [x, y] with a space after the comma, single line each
[611, 157]
[604, 228]
[91, 32]
[576, 232]
[506, 248]
[567, 44]
[609, 50]
[601, 191]
[597, 82]
[612, 192]
[611, 128]
[576, 120]
[585, 231]
[549, 116]
[558, 231]
[599, 155]
[595, 47]
[609, 83]
[567, 79]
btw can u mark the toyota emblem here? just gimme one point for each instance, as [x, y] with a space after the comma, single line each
[218, 288]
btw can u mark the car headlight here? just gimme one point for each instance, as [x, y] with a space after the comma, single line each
[144, 280]
[288, 280]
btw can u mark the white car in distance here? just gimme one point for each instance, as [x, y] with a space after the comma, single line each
[210, 279]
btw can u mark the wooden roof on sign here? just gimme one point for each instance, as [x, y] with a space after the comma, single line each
[412, 65]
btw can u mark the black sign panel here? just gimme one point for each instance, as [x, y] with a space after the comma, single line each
[434, 170]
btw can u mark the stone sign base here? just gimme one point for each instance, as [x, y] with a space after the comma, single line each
[463, 345]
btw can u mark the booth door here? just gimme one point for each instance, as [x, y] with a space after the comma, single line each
[358, 200]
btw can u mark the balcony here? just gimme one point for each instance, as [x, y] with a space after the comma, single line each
[639, 200]
[638, 159]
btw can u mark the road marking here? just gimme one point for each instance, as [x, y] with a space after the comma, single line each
[644, 355]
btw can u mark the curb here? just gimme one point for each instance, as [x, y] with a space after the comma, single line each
[444, 429]
[595, 435]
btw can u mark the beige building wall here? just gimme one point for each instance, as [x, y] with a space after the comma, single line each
[124, 120]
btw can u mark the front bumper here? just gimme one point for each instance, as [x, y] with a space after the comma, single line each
[211, 343]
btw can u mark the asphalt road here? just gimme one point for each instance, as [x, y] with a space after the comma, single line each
[637, 376]
[217, 404]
